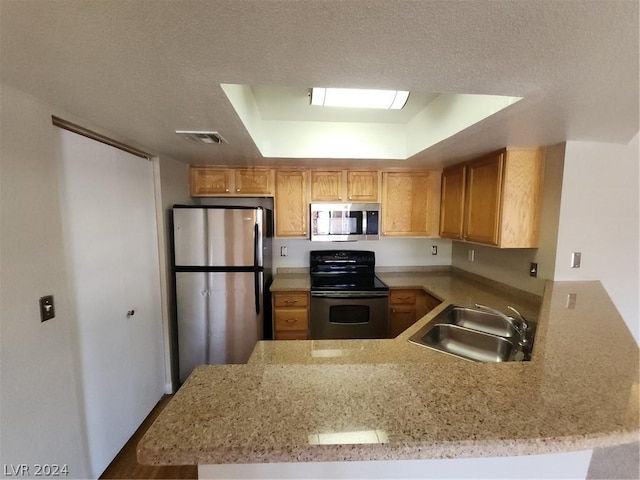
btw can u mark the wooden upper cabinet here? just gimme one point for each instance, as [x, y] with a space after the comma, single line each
[410, 203]
[452, 202]
[253, 181]
[292, 203]
[205, 181]
[362, 186]
[500, 199]
[327, 185]
[344, 186]
[482, 202]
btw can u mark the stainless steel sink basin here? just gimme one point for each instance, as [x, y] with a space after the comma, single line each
[477, 320]
[470, 344]
[476, 335]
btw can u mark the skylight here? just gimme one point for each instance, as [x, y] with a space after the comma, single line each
[359, 98]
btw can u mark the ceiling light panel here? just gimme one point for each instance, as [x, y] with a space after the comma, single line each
[359, 98]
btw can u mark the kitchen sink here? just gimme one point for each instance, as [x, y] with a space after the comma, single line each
[478, 320]
[476, 335]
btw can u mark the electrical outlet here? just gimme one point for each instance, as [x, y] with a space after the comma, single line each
[47, 309]
[533, 269]
[434, 249]
[283, 251]
[471, 255]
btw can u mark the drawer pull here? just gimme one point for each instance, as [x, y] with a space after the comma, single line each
[290, 301]
[404, 298]
[291, 320]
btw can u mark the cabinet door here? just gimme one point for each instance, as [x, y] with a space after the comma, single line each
[206, 181]
[362, 186]
[410, 204]
[401, 318]
[326, 186]
[253, 181]
[452, 203]
[291, 203]
[483, 195]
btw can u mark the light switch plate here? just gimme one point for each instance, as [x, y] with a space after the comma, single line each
[575, 259]
[47, 309]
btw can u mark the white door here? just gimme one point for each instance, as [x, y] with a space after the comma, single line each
[110, 231]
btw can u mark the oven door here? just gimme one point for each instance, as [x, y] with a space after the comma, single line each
[348, 315]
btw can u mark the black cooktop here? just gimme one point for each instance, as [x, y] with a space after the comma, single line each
[346, 270]
[347, 283]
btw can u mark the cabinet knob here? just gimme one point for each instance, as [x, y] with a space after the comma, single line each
[237, 189]
[226, 189]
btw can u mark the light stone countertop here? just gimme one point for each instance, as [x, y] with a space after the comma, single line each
[579, 391]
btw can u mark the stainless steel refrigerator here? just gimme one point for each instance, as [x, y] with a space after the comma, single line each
[222, 264]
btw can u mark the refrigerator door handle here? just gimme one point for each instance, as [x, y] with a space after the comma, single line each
[257, 291]
[256, 246]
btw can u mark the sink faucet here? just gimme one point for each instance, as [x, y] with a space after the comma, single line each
[521, 329]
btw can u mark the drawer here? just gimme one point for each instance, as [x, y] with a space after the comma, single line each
[291, 319]
[291, 335]
[290, 299]
[402, 297]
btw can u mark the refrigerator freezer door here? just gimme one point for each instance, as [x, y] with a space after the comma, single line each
[189, 236]
[217, 237]
[217, 320]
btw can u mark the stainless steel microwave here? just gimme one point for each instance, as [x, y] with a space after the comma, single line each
[344, 222]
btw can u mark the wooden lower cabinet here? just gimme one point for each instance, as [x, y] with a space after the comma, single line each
[291, 315]
[406, 307]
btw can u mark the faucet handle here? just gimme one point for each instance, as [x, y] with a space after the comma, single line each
[520, 317]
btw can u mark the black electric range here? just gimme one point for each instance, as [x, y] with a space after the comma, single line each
[344, 270]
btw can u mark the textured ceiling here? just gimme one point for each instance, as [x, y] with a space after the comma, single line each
[141, 70]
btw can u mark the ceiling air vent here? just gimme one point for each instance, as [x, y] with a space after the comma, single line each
[202, 137]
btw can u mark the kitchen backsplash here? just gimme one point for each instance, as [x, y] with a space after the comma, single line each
[399, 252]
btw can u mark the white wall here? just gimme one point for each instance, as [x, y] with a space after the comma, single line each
[40, 412]
[599, 217]
[173, 185]
[41, 415]
[398, 252]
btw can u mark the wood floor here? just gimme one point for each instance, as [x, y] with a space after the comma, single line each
[126, 466]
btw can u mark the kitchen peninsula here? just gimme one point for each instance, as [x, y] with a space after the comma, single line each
[358, 401]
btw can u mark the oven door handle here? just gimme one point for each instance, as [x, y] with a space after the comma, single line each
[350, 294]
